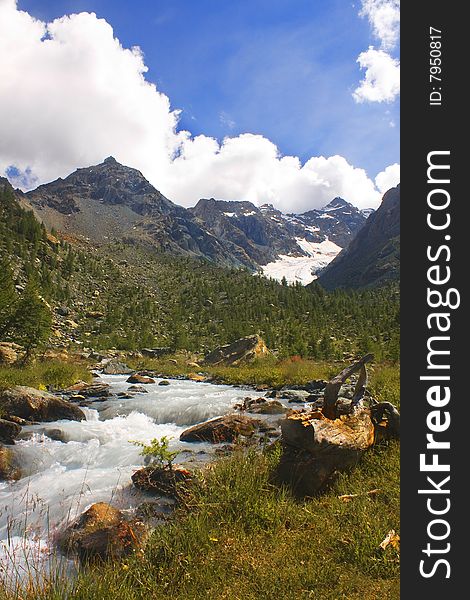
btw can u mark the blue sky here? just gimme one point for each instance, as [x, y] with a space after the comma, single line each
[283, 68]
[290, 102]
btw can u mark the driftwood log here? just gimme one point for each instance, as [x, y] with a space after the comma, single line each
[320, 443]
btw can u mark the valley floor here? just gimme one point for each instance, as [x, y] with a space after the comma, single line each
[237, 536]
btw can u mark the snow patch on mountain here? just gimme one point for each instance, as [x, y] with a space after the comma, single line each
[302, 269]
[319, 249]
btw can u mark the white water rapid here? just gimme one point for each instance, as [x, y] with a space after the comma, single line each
[94, 461]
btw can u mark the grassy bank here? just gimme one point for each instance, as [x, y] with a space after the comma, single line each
[42, 374]
[239, 537]
[384, 378]
[268, 371]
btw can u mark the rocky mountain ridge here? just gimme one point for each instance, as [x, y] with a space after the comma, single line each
[373, 256]
[109, 202]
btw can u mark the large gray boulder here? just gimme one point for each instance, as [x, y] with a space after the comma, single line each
[114, 367]
[241, 351]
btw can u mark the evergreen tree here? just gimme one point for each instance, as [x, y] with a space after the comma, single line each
[8, 298]
[32, 320]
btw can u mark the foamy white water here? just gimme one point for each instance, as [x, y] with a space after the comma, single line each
[95, 460]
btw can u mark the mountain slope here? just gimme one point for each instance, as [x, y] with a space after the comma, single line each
[339, 221]
[129, 297]
[292, 246]
[373, 256]
[248, 227]
[109, 203]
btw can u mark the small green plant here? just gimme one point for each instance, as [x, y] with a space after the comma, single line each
[157, 452]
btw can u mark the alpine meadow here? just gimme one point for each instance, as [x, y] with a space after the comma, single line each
[199, 330]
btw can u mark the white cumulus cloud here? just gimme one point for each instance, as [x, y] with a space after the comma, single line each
[249, 167]
[388, 178]
[381, 82]
[384, 19]
[71, 94]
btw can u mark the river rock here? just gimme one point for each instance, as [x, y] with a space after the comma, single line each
[9, 431]
[8, 469]
[317, 385]
[164, 382]
[89, 390]
[262, 406]
[102, 532]
[137, 389]
[136, 378]
[35, 405]
[159, 480]
[56, 434]
[196, 377]
[114, 367]
[241, 351]
[294, 395]
[221, 429]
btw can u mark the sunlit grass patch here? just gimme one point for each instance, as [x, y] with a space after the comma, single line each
[43, 374]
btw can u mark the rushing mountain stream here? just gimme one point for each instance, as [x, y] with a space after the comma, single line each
[69, 465]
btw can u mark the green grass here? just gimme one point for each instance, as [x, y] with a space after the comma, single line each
[384, 378]
[239, 537]
[384, 383]
[42, 374]
[268, 371]
[275, 373]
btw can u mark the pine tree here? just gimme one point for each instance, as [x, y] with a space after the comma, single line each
[32, 320]
[8, 297]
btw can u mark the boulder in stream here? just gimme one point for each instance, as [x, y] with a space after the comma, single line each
[137, 378]
[262, 406]
[196, 377]
[89, 390]
[102, 532]
[8, 469]
[9, 431]
[137, 389]
[160, 480]
[221, 429]
[36, 405]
